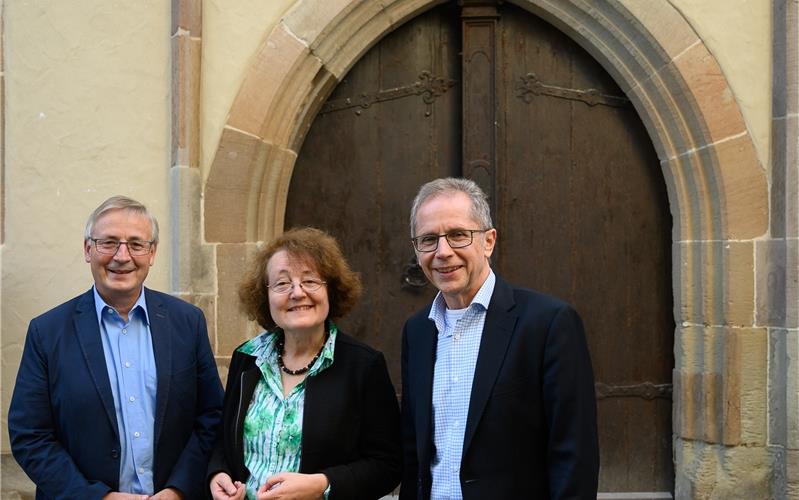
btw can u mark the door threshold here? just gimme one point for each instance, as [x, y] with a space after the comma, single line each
[635, 495]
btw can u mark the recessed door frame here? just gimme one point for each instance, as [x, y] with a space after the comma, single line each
[718, 191]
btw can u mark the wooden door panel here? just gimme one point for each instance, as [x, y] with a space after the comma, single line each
[361, 166]
[584, 216]
[581, 207]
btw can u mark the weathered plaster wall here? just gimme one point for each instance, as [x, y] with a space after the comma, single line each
[87, 116]
[232, 32]
[738, 33]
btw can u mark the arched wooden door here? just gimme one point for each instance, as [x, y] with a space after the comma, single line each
[576, 190]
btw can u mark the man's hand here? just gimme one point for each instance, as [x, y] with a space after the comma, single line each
[115, 495]
[167, 494]
[293, 486]
[223, 488]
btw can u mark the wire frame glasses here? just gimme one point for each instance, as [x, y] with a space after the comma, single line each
[110, 246]
[457, 238]
[285, 286]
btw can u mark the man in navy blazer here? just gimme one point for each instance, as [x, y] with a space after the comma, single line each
[117, 395]
[497, 387]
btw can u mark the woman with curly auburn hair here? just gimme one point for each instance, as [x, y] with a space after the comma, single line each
[309, 412]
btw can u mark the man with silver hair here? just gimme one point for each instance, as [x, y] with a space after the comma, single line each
[117, 394]
[497, 387]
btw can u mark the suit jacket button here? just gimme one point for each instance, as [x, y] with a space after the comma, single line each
[114, 453]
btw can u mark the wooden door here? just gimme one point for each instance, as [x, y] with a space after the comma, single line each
[576, 191]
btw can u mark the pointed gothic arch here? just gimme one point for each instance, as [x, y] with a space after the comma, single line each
[718, 191]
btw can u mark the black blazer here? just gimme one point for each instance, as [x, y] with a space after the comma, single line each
[350, 427]
[62, 422]
[531, 427]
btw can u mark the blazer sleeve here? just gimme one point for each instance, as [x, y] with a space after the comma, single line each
[570, 409]
[378, 471]
[190, 469]
[410, 461]
[32, 429]
[219, 462]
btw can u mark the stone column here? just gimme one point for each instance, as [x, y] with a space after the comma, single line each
[192, 266]
[2, 131]
[778, 256]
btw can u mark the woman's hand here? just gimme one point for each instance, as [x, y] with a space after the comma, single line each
[293, 486]
[223, 488]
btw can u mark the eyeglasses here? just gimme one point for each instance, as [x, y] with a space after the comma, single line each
[309, 285]
[110, 246]
[458, 238]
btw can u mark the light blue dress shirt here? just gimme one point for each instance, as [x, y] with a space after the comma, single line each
[459, 335]
[130, 362]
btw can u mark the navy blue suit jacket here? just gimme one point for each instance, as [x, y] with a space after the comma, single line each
[531, 428]
[62, 421]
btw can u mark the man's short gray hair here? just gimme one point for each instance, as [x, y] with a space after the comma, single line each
[120, 203]
[481, 212]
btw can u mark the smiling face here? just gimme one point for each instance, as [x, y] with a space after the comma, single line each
[297, 311]
[119, 277]
[457, 272]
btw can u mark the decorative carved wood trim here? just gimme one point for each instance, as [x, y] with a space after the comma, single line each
[479, 25]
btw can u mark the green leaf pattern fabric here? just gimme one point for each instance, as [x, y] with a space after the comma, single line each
[273, 424]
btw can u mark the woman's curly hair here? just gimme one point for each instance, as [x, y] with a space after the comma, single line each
[323, 252]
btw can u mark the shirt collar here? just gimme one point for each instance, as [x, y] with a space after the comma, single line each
[100, 305]
[482, 298]
[264, 346]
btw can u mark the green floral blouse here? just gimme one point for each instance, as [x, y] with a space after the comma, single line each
[273, 424]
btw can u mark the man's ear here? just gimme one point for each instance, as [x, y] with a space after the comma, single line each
[152, 254]
[489, 240]
[87, 247]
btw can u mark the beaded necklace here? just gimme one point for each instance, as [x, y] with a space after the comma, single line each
[299, 371]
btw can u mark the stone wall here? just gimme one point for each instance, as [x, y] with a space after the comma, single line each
[778, 258]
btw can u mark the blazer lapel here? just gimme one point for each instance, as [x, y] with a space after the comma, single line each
[162, 351]
[497, 332]
[249, 381]
[87, 330]
[425, 353]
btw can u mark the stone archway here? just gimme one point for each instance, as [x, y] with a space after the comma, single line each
[717, 189]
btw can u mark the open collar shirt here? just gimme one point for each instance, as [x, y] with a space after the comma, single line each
[130, 362]
[456, 358]
[273, 424]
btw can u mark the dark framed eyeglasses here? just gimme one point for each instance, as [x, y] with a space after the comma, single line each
[457, 238]
[285, 286]
[110, 246]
